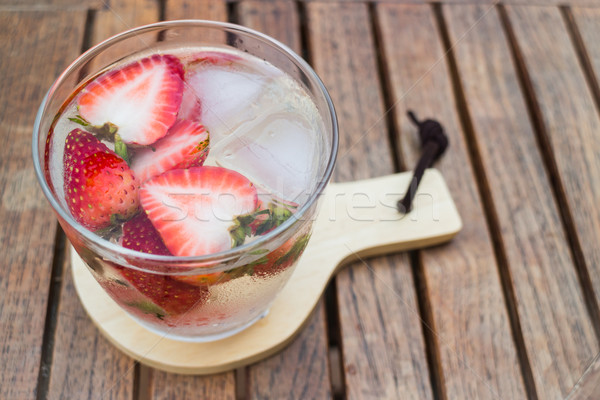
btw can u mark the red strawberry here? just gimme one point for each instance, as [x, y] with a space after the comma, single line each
[141, 99]
[139, 234]
[172, 296]
[194, 208]
[98, 184]
[186, 145]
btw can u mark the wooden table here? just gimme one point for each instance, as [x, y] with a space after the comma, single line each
[510, 309]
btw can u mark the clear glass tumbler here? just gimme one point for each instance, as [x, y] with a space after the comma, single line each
[236, 286]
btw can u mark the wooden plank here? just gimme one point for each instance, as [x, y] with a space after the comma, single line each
[587, 20]
[277, 18]
[588, 386]
[215, 10]
[119, 16]
[49, 5]
[549, 298]
[470, 322]
[570, 122]
[80, 351]
[586, 3]
[31, 59]
[383, 348]
[302, 369]
[84, 362]
[166, 386]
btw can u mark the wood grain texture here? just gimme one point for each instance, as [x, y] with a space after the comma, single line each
[471, 324]
[549, 297]
[118, 16]
[587, 20]
[302, 369]
[570, 123]
[28, 66]
[587, 3]
[215, 10]
[166, 386]
[50, 5]
[588, 387]
[382, 343]
[84, 362]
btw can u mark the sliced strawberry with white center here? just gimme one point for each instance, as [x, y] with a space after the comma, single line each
[193, 209]
[186, 145]
[142, 98]
[191, 106]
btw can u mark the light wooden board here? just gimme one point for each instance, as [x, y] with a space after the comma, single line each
[383, 352]
[27, 224]
[470, 324]
[301, 370]
[549, 298]
[349, 226]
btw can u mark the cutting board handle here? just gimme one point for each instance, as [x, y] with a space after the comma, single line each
[357, 219]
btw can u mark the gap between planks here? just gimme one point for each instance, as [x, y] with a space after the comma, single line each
[332, 316]
[432, 351]
[489, 208]
[550, 164]
[56, 278]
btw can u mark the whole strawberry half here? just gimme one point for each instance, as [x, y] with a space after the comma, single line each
[99, 186]
[193, 209]
[186, 145]
[170, 295]
[139, 234]
[140, 99]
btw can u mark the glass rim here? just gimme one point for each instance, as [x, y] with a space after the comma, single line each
[227, 254]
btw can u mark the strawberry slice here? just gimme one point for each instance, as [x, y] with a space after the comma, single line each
[191, 106]
[185, 146]
[172, 296]
[99, 186]
[194, 208]
[139, 234]
[141, 99]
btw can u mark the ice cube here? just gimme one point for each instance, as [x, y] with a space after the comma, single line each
[228, 98]
[276, 151]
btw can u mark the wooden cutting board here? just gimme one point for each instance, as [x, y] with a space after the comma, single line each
[357, 220]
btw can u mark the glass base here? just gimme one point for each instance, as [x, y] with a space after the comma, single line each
[203, 338]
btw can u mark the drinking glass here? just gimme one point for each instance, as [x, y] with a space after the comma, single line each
[234, 295]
